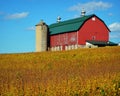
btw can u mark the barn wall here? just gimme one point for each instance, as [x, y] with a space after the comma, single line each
[93, 29]
[61, 41]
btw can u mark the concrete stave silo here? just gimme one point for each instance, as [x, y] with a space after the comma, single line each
[41, 36]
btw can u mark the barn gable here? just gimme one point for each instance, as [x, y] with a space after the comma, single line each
[71, 25]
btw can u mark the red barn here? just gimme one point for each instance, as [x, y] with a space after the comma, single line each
[75, 33]
[85, 31]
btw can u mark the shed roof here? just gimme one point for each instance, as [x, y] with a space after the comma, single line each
[102, 43]
[70, 25]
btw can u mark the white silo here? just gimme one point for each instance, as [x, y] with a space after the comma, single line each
[41, 36]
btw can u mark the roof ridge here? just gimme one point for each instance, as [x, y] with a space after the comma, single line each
[71, 21]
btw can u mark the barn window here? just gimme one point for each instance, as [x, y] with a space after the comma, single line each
[93, 37]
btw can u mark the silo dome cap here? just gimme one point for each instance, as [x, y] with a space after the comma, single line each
[41, 23]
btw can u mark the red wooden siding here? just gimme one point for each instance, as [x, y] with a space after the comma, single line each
[63, 39]
[93, 30]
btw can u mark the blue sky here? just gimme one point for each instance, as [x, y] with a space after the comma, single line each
[19, 17]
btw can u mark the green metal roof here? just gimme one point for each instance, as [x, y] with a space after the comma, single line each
[105, 43]
[69, 25]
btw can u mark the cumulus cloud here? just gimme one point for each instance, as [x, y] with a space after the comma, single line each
[17, 15]
[115, 27]
[91, 6]
[30, 28]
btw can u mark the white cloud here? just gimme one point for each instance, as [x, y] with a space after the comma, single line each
[115, 27]
[30, 28]
[115, 30]
[91, 6]
[17, 15]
